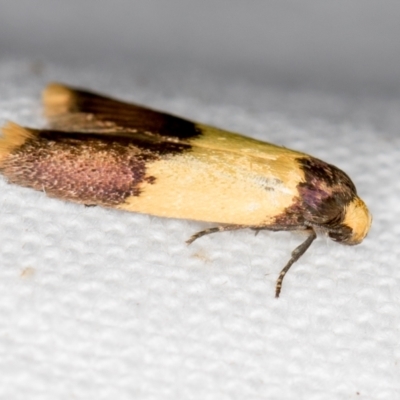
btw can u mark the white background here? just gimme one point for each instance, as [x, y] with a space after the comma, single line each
[101, 304]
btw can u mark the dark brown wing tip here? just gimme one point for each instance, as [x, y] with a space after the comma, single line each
[57, 99]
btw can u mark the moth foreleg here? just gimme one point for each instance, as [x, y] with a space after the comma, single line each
[296, 254]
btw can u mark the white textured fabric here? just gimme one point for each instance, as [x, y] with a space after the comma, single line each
[100, 304]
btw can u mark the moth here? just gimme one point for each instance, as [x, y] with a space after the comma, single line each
[105, 152]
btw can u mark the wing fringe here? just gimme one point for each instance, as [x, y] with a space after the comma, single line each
[14, 136]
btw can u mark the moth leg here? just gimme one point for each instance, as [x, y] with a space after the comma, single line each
[277, 228]
[214, 230]
[296, 254]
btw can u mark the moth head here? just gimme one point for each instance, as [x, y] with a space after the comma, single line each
[355, 224]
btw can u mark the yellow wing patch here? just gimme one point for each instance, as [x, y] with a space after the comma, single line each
[217, 186]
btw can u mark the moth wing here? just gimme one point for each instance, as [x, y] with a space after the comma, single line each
[72, 109]
[167, 166]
